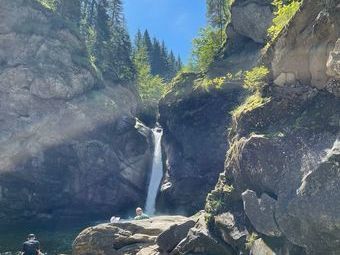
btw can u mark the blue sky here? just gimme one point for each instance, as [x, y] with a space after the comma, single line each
[175, 21]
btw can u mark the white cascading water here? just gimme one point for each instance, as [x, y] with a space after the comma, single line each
[156, 173]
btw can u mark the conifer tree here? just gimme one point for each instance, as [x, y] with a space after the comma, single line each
[155, 58]
[106, 37]
[218, 14]
[161, 62]
[148, 44]
[103, 36]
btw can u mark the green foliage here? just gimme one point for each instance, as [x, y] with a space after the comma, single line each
[219, 200]
[251, 240]
[151, 87]
[252, 102]
[217, 82]
[49, 4]
[108, 44]
[256, 78]
[218, 12]
[162, 63]
[285, 11]
[205, 48]
[210, 38]
[181, 85]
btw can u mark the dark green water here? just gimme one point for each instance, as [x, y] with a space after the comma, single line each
[55, 237]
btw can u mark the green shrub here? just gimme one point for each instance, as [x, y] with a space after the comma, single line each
[205, 48]
[252, 102]
[48, 4]
[256, 78]
[251, 240]
[219, 200]
[285, 12]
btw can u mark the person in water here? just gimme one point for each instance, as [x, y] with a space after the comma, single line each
[31, 246]
[140, 215]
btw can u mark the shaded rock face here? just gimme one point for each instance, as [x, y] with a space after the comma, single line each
[283, 165]
[261, 213]
[194, 144]
[68, 142]
[284, 160]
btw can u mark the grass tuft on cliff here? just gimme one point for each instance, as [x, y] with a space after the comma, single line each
[219, 200]
[285, 12]
[252, 102]
[254, 81]
[48, 4]
[256, 78]
[251, 240]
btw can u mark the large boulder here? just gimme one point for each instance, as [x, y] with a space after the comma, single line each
[69, 146]
[201, 241]
[231, 227]
[251, 19]
[246, 36]
[261, 213]
[131, 237]
[261, 248]
[169, 239]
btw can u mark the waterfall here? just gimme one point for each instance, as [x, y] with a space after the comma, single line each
[156, 173]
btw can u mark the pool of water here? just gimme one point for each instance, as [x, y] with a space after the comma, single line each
[55, 237]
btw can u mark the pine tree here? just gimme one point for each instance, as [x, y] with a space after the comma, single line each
[172, 70]
[218, 14]
[164, 64]
[106, 37]
[103, 36]
[138, 42]
[149, 46]
[179, 63]
[156, 58]
[161, 62]
[150, 87]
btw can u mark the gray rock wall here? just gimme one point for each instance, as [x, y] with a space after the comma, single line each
[195, 122]
[68, 145]
[284, 161]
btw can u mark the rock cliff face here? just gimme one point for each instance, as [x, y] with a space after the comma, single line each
[194, 144]
[69, 146]
[282, 170]
[195, 121]
[279, 191]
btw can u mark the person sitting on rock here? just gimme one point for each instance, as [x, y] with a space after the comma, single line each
[31, 246]
[140, 215]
